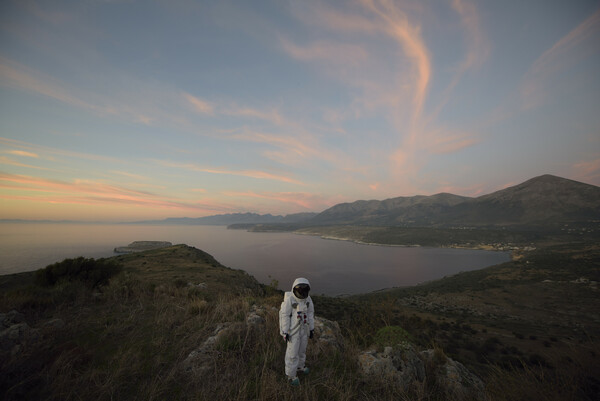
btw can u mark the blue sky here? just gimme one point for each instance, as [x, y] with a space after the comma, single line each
[124, 110]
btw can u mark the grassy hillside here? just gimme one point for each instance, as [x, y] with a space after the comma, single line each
[527, 337]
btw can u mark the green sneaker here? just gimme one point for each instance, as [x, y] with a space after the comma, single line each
[305, 370]
[295, 381]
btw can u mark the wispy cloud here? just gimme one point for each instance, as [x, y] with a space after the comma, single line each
[588, 171]
[578, 44]
[23, 153]
[21, 77]
[263, 175]
[445, 141]
[130, 175]
[49, 152]
[477, 49]
[307, 201]
[398, 26]
[10, 162]
[199, 105]
[331, 52]
[95, 193]
[272, 116]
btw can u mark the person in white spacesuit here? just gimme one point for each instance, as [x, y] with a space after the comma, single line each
[296, 326]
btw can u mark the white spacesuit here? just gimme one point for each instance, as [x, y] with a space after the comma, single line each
[296, 325]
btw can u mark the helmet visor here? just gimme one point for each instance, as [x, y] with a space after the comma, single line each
[301, 291]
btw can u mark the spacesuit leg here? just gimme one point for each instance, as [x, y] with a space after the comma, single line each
[303, 341]
[291, 355]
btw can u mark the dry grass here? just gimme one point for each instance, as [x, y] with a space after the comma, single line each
[128, 341]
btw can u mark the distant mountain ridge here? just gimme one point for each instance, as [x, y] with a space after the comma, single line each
[233, 218]
[546, 200]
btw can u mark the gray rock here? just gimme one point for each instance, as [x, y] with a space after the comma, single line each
[457, 381]
[404, 365]
[13, 338]
[328, 333]
[200, 360]
[10, 318]
[255, 318]
[55, 324]
[400, 363]
[201, 286]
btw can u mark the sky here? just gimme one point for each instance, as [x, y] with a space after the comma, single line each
[131, 110]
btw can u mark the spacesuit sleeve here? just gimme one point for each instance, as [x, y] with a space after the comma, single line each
[284, 316]
[311, 314]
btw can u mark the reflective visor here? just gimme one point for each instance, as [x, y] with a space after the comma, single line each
[301, 290]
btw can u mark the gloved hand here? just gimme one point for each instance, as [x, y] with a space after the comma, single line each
[286, 337]
[312, 334]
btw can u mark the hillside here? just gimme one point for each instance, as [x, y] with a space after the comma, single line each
[529, 328]
[542, 202]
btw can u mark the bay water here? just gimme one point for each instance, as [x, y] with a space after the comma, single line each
[333, 267]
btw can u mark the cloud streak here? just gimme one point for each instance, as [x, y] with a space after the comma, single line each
[304, 200]
[257, 174]
[94, 193]
[578, 44]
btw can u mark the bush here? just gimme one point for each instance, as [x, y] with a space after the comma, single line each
[391, 335]
[92, 273]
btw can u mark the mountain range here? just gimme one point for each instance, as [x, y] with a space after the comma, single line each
[233, 218]
[542, 201]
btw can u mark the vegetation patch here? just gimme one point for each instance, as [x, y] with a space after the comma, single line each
[91, 272]
[392, 335]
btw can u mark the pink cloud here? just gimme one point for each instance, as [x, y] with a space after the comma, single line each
[306, 201]
[199, 105]
[96, 193]
[23, 153]
[10, 162]
[443, 142]
[397, 25]
[588, 171]
[327, 51]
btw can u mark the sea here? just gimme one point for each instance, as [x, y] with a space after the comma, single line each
[333, 267]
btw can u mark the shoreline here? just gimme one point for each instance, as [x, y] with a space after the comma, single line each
[514, 253]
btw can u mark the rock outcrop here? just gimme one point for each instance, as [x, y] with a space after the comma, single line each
[201, 360]
[457, 381]
[328, 334]
[403, 364]
[15, 333]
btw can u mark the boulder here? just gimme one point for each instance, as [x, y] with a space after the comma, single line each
[201, 360]
[255, 319]
[16, 336]
[401, 363]
[55, 324]
[457, 381]
[328, 333]
[404, 365]
[10, 318]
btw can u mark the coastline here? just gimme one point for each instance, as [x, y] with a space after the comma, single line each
[515, 252]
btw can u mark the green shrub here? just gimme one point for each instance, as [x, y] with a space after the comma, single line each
[391, 335]
[92, 273]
